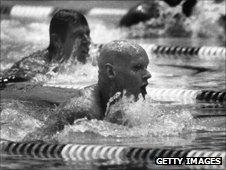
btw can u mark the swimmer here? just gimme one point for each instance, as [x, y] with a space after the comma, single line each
[69, 38]
[145, 11]
[140, 13]
[122, 66]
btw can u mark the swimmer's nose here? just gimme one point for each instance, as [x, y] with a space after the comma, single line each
[147, 75]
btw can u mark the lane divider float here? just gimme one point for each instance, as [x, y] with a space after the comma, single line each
[165, 94]
[76, 152]
[203, 153]
[187, 96]
[205, 98]
[45, 12]
[33, 12]
[204, 52]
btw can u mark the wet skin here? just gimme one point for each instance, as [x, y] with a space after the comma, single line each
[123, 66]
[77, 42]
[132, 74]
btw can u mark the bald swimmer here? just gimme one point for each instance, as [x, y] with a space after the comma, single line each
[122, 66]
[69, 38]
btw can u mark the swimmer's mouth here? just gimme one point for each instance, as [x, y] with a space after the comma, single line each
[143, 90]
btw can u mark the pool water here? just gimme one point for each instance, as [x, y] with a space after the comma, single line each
[152, 124]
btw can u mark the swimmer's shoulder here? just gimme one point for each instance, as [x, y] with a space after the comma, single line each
[89, 88]
[82, 104]
[91, 96]
[38, 56]
[88, 91]
[27, 63]
[85, 93]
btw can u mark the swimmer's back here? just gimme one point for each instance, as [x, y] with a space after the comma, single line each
[84, 104]
[28, 67]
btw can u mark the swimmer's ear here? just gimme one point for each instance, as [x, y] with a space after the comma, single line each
[110, 70]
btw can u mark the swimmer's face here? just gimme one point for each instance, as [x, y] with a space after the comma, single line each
[132, 74]
[77, 42]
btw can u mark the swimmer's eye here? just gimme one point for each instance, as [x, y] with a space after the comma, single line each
[81, 34]
[137, 67]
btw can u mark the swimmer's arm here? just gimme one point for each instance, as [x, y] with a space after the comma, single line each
[26, 68]
[53, 124]
[66, 114]
[18, 72]
[75, 108]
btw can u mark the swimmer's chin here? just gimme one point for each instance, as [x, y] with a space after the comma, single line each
[143, 91]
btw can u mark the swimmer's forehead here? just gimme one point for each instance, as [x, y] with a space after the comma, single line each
[124, 48]
[80, 28]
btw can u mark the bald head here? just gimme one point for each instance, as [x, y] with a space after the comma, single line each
[118, 51]
[123, 66]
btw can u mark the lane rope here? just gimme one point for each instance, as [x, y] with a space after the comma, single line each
[75, 152]
[203, 52]
[177, 95]
[187, 96]
[178, 52]
[35, 12]
[44, 12]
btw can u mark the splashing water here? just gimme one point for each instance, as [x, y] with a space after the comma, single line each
[204, 22]
[17, 119]
[70, 74]
[20, 39]
[142, 119]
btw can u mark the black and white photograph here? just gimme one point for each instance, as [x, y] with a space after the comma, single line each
[113, 84]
